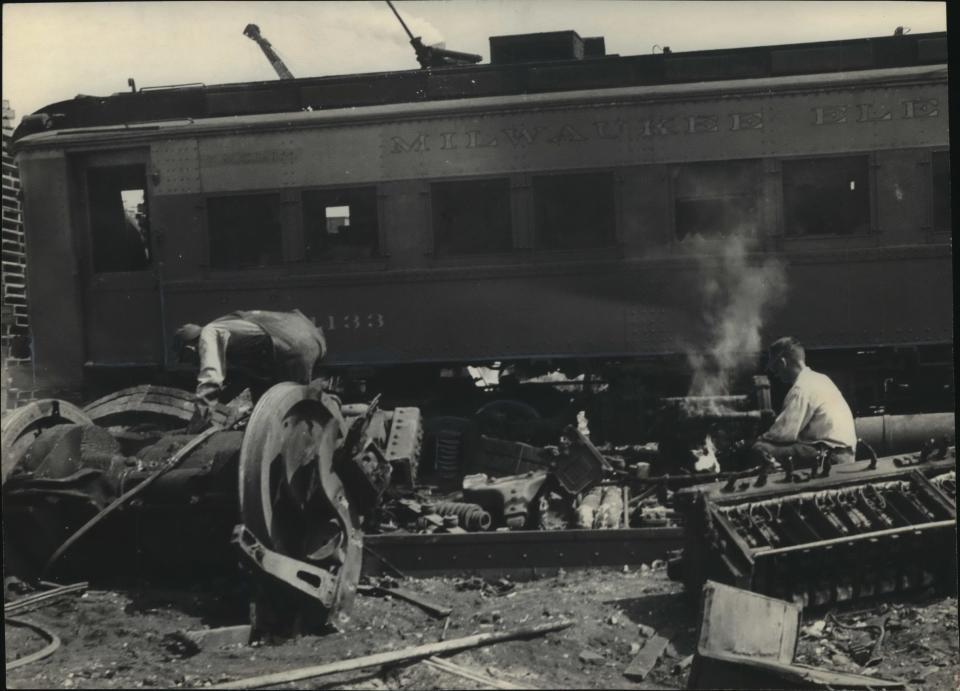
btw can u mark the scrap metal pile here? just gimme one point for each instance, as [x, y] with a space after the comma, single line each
[310, 493]
[308, 471]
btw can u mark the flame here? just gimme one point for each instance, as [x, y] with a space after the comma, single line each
[706, 457]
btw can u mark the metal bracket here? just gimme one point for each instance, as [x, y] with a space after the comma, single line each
[313, 581]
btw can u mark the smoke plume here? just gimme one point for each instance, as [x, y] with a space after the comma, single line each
[737, 296]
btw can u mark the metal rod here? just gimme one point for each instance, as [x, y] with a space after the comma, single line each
[705, 399]
[402, 23]
[763, 552]
[177, 459]
[41, 598]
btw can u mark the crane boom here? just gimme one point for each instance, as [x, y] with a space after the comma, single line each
[434, 56]
[252, 31]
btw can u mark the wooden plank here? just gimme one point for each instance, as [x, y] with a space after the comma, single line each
[219, 637]
[647, 658]
[487, 681]
[392, 656]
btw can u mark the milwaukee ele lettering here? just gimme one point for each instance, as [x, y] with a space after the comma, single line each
[625, 130]
[634, 130]
[871, 112]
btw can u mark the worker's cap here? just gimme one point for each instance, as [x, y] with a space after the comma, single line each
[185, 335]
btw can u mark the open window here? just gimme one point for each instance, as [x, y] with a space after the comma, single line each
[574, 211]
[941, 191]
[244, 231]
[472, 216]
[826, 196]
[340, 224]
[120, 234]
[716, 199]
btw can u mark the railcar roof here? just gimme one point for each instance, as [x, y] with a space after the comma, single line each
[197, 101]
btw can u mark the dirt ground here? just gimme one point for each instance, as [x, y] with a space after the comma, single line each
[121, 638]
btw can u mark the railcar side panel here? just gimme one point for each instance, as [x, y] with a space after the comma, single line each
[885, 282]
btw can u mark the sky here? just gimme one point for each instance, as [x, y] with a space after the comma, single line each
[54, 51]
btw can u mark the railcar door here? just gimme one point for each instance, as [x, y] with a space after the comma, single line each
[121, 301]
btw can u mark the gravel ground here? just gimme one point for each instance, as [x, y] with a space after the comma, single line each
[120, 638]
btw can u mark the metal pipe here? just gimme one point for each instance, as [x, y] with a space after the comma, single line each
[893, 434]
[695, 400]
[39, 599]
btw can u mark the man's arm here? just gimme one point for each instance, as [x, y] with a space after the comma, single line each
[212, 349]
[792, 419]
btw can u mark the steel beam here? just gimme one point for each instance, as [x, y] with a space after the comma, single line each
[518, 554]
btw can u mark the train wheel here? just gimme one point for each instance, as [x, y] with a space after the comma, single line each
[507, 419]
[165, 406]
[290, 497]
[22, 426]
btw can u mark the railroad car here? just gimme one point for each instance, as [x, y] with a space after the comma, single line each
[558, 207]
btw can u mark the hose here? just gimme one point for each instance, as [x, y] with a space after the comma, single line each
[47, 651]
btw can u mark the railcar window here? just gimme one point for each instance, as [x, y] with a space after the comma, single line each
[574, 211]
[340, 224]
[941, 191]
[471, 216]
[118, 218]
[826, 196]
[713, 199]
[244, 231]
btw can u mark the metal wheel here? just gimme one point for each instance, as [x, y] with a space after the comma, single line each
[506, 419]
[167, 406]
[290, 497]
[21, 427]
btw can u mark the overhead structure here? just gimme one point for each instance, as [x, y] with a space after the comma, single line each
[435, 56]
[252, 31]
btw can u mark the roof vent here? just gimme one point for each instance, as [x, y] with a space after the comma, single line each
[551, 45]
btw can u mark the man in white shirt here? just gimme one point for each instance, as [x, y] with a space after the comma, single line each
[815, 423]
[259, 348]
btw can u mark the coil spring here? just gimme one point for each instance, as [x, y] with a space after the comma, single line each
[448, 446]
[472, 516]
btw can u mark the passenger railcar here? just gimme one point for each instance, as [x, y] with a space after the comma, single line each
[535, 211]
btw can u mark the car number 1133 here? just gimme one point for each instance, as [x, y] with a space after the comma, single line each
[371, 320]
